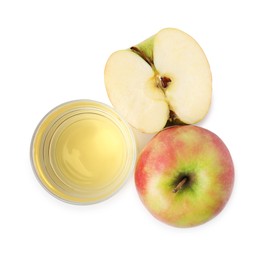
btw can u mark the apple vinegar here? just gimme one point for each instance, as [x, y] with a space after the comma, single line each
[83, 151]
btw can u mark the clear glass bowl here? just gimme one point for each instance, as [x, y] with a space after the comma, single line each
[83, 151]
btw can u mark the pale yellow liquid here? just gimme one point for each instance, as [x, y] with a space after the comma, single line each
[90, 153]
[82, 152]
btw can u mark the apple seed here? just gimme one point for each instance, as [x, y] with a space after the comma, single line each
[165, 81]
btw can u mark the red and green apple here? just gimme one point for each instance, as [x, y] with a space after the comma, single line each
[185, 175]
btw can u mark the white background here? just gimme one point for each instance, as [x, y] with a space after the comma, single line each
[55, 51]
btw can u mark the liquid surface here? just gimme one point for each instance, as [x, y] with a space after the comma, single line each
[83, 152]
[88, 152]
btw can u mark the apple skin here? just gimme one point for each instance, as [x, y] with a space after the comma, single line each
[189, 152]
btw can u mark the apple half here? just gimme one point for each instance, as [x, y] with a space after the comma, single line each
[164, 80]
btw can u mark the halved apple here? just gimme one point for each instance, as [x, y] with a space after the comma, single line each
[164, 80]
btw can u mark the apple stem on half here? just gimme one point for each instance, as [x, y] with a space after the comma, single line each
[143, 56]
[180, 185]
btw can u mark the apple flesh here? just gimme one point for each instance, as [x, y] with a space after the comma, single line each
[184, 176]
[164, 80]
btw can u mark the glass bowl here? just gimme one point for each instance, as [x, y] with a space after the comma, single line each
[83, 151]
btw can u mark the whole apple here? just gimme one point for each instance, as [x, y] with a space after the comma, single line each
[185, 175]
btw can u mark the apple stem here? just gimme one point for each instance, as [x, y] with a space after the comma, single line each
[180, 185]
[143, 56]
